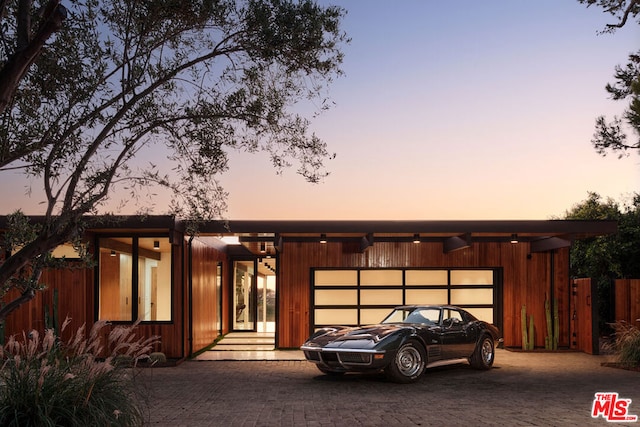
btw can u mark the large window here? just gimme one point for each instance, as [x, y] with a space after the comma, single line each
[366, 296]
[134, 279]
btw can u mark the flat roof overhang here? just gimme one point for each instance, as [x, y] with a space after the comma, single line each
[584, 228]
[254, 235]
[543, 235]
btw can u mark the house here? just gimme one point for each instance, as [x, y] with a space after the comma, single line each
[289, 277]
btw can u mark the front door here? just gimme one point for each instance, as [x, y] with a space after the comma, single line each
[244, 295]
[254, 295]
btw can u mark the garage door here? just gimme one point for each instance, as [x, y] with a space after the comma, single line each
[365, 296]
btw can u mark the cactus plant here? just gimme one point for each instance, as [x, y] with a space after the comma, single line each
[528, 333]
[532, 341]
[523, 322]
[51, 314]
[553, 329]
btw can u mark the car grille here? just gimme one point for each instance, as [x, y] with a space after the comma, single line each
[312, 355]
[355, 358]
[338, 358]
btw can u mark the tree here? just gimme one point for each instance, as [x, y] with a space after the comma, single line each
[613, 136]
[125, 78]
[606, 258]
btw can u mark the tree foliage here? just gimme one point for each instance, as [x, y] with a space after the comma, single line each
[606, 258]
[122, 81]
[615, 135]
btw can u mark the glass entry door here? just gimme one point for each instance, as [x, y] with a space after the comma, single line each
[266, 300]
[244, 296]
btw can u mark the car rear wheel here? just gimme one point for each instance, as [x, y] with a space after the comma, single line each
[484, 353]
[408, 364]
[329, 371]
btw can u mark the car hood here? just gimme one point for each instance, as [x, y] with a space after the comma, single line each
[354, 337]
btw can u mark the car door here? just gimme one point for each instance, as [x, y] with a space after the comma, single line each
[430, 330]
[457, 339]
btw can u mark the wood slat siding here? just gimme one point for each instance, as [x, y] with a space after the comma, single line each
[583, 320]
[75, 293]
[204, 294]
[526, 280]
[76, 300]
[627, 300]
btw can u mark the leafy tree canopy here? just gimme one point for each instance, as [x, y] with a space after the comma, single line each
[607, 257]
[90, 86]
[622, 134]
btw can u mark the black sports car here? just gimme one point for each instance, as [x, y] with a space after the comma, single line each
[407, 341]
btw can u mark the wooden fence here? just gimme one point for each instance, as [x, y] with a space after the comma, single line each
[627, 300]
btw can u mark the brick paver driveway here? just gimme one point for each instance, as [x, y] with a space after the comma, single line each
[541, 389]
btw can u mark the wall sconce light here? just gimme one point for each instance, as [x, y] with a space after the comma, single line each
[156, 245]
[263, 247]
[514, 238]
[323, 238]
[113, 253]
[416, 238]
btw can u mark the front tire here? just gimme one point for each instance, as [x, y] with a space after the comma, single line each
[408, 364]
[484, 354]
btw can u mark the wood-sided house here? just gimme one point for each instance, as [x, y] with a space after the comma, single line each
[290, 277]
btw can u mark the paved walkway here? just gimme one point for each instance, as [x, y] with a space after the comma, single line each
[523, 389]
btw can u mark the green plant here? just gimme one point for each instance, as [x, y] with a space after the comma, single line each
[157, 357]
[528, 339]
[51, 314]
[47, 382]
[626, 345]
[553, 330]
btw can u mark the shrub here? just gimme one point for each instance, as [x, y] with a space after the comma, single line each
[626, 346]
[50, 383]
[157, 357]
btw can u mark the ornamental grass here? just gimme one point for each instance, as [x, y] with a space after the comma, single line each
[47, 382]
[626, 345]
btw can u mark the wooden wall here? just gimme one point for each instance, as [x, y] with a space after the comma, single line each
[76, 287]
[75, 300]
[203, 294]
[627, 300]
[584, 317]
[526, 279]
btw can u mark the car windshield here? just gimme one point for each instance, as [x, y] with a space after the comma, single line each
[428, 316]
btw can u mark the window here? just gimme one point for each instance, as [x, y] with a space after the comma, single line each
[365, 296]
[134, 279]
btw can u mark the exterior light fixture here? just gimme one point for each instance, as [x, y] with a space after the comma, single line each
[416, 238]
[156, 245]
[514, 238]
[323, 238]
[113, 253]
[263, 247]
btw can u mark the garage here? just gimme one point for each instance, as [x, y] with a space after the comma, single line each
[365, 296]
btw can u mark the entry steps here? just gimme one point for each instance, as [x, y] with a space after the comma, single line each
[246, 341]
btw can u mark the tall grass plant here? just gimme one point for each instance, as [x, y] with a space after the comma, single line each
[47, 382]
[626, 345]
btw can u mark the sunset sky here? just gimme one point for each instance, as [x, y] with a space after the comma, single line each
[458, 110]
[451, 110]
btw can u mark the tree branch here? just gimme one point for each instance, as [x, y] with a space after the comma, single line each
[18, 64]
[628, 11]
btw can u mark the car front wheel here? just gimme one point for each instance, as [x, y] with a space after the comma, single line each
[408, 364]
[484, 353]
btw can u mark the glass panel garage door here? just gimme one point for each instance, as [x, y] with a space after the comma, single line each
[360, 297]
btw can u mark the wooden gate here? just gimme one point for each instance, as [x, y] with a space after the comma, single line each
[627, 299]
[584, 316]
